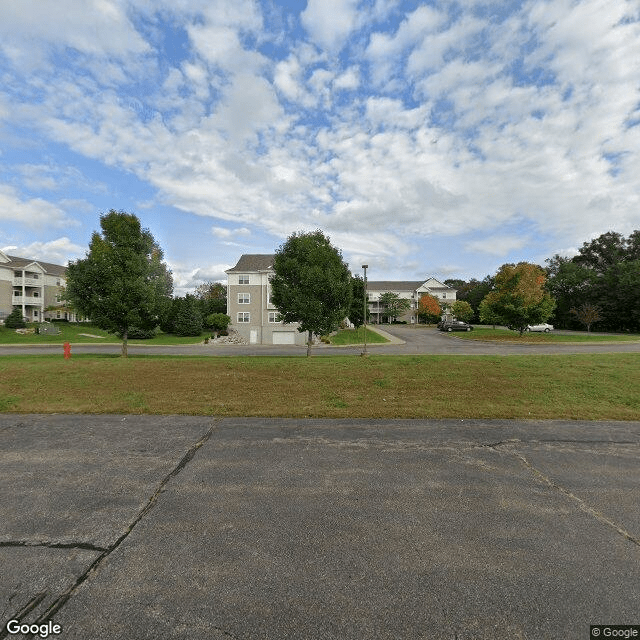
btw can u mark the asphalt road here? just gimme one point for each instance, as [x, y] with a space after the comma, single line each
[407, 340]
[163, 527]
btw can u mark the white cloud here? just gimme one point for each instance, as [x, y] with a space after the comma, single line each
[93, 27]
[31, 212]
[226, 233]
[57, 251]
[498, 245]
[330, 23]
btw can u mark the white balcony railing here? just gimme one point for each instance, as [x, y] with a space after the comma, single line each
[28, 282]
[28, 300]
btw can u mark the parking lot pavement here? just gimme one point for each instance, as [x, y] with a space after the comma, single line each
[180, 527]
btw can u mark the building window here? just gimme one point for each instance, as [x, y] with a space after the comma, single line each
[35, 313]
[244, 298]
[274, 316]
[244, 316]
[243, 279]
[36, 294]
[57, 314]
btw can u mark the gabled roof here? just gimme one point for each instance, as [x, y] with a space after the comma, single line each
[21, 263]
[406, 285]
[394, 285]
[253, 262]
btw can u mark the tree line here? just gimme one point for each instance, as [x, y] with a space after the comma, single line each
[125, 287]
[598, 288]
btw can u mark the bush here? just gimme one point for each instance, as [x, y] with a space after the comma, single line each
[15, 320]
[218, 321]
[136, 333]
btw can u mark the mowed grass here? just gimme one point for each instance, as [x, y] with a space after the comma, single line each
[506, 335]
[356, 336]
[83, 333]
[593, 387]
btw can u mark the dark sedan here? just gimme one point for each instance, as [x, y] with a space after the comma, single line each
[454, 325]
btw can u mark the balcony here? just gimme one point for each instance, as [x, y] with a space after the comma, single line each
[27, 282]
[32, 301]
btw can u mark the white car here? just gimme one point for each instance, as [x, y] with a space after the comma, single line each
[540, 327]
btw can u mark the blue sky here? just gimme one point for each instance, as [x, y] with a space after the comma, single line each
[425, 138]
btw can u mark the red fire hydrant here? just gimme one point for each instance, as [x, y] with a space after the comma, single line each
[67, 350]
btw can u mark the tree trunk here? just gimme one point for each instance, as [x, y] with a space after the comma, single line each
[309, 344]
[125, 353]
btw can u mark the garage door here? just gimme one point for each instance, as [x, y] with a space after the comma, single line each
[284, 337]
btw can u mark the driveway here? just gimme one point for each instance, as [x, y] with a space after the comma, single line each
[121, 527]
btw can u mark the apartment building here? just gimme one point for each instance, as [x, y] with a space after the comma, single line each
[31, 285]
[408, 290]
[249, 305]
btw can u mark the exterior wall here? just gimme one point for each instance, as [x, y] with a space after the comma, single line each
[27, 287]
[258, 330]
[6, 291]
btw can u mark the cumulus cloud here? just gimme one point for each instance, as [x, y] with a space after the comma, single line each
[31, 212]
[430, 126]
[329, 24]
[58, 251]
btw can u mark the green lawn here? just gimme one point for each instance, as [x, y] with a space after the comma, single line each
[506, 335]
[587, 387]
[75, 333]
[356, 336]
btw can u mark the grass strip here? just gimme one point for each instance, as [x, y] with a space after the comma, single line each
[588, 386]
[356, 336]
[505, 335]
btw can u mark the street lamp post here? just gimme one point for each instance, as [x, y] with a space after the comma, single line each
[364, 266]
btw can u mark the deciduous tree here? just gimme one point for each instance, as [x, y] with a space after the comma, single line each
[393, 305]
[462, 310]
[587, 313]
[429, 309]
[311, 284]
[519, 298]
[122, 282]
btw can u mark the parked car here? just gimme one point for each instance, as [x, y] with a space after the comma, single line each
[540, 327]
[454, 325]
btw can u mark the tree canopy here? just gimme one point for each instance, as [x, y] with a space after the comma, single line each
[519, 298]
[605, 273]
[429, 308]
[122, 283]
[393, 305]
[356, 310]
[311, 284]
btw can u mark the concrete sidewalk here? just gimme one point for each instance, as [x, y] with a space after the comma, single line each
[139, 527]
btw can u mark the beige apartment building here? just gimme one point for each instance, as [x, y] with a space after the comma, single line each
[33, 286]
[249, 305]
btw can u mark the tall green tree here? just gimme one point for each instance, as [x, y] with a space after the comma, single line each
[185, 317]
[356, 310]
[519, 298]
[311, 284]
[212, 298]
[122, 282]
[393, 305]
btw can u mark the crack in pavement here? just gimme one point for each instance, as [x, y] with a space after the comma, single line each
[87, 546]
[583, 506]
[61, 600]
